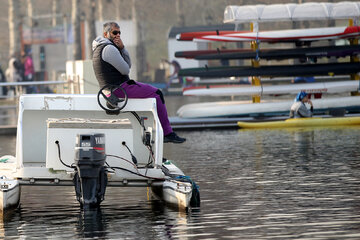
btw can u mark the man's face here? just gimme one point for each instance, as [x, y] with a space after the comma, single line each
[114, 33]
[305, 99]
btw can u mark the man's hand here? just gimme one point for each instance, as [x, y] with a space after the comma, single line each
[309, 102]
[118, 42]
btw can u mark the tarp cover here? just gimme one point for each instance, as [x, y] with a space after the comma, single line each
[291, 12]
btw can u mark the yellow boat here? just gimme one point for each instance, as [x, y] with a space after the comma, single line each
[303, 122]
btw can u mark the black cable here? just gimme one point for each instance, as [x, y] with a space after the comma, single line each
[132, 156]
[110, 167]
[139, 119]
[151, 156]
[127, 170]
[58, 145]
[109, 155]
[139, 174]
[149, 162]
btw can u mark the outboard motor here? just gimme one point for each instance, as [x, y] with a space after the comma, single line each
[90, 177]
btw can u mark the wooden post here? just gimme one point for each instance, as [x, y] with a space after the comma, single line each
[82, 37]
[22, 44]
[353, 59]
[255, 80]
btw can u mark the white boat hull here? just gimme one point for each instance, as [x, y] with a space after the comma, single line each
[177, 190]
[177, 193]
[9, 193]
[246, 90]
[245, 108]
[290, 35]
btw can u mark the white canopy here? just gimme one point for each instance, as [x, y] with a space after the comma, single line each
[292, 12]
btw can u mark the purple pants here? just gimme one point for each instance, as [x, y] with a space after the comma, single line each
[141, 90]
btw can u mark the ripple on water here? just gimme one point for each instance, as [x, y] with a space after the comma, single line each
[280, 184]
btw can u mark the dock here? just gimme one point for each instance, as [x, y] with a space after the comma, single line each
[8, 129]
[178, 123]
[5, 105]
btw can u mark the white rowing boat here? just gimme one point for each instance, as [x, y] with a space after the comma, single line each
[243, 90]
[290, 35]
[265, 108]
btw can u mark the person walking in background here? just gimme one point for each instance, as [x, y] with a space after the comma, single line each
[299, 109]
[3, 79]
[13, 74]
[174, 77]
[29, 71]
[111, 63]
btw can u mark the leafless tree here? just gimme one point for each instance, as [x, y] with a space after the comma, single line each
[30, 13]
[101, 16]
[55, 12]
[14, 27]
[90, 19]
[118, 5]
[180, 13]
[75, 17]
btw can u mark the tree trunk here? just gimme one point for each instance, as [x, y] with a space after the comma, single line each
[180, 18]
[91, 25]
[118, 6]
[75, 17]
[55, 11]
[30, 13]
[101, 17]
[14, 27]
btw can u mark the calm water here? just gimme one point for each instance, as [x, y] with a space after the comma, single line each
[258, 184]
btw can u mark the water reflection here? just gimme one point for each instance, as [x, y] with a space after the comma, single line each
[5, 220]
[8, 115]
[91, 223]
[121, 216]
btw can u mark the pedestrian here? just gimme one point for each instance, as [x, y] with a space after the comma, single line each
[29, 72]
[3, 80]
[13, 74]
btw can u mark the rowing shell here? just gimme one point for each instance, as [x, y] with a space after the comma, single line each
[197, 53]
[303, 122]
[245, 90]
[278, 54]
[189, 36]
[292, 35]
[274, 70]
[265, 108]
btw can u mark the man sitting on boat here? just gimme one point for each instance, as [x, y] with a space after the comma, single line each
[111, 63]
[299, 109]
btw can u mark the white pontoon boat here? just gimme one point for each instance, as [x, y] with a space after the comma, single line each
[71, 140]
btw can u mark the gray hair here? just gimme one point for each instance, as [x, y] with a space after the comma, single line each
[109, 25]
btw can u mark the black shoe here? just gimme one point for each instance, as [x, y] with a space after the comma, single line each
[172, 137]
